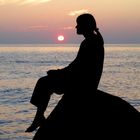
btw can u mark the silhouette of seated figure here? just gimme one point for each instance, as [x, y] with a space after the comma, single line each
[85, 71]
[82, 104]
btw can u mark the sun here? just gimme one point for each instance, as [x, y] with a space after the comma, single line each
[60, 37]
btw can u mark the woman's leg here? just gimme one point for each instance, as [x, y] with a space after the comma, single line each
[42, 92]
[40, 98]
[53, 126]
[38, 120]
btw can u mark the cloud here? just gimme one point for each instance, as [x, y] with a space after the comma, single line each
[73, 13]
[5, 2]
[37, 27]
[34, 1]
[68, 28]
[22, 2]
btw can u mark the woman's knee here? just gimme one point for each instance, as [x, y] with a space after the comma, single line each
[43, 79]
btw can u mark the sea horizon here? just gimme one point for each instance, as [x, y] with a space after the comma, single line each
[68, 44]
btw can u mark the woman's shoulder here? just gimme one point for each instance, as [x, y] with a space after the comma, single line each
[93, 40]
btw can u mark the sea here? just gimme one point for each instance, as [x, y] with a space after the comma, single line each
[21, 65]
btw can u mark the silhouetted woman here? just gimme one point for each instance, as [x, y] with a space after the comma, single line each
[77, 82]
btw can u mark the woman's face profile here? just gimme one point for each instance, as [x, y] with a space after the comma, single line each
[79, 29]
[85, 24]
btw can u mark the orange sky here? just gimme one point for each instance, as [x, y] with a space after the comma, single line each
[40, 21]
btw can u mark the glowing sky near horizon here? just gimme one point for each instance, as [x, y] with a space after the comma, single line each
[41, 21]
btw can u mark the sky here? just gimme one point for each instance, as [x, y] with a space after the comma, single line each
[41, 21]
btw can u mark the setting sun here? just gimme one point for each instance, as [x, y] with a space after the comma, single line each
[60, 38]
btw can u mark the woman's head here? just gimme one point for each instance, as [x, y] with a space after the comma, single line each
[85, 23]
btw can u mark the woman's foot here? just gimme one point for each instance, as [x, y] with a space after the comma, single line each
[36, 123]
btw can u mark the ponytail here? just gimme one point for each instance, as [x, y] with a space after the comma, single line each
[99, 35]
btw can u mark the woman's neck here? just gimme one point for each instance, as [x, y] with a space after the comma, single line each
[88, 34]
